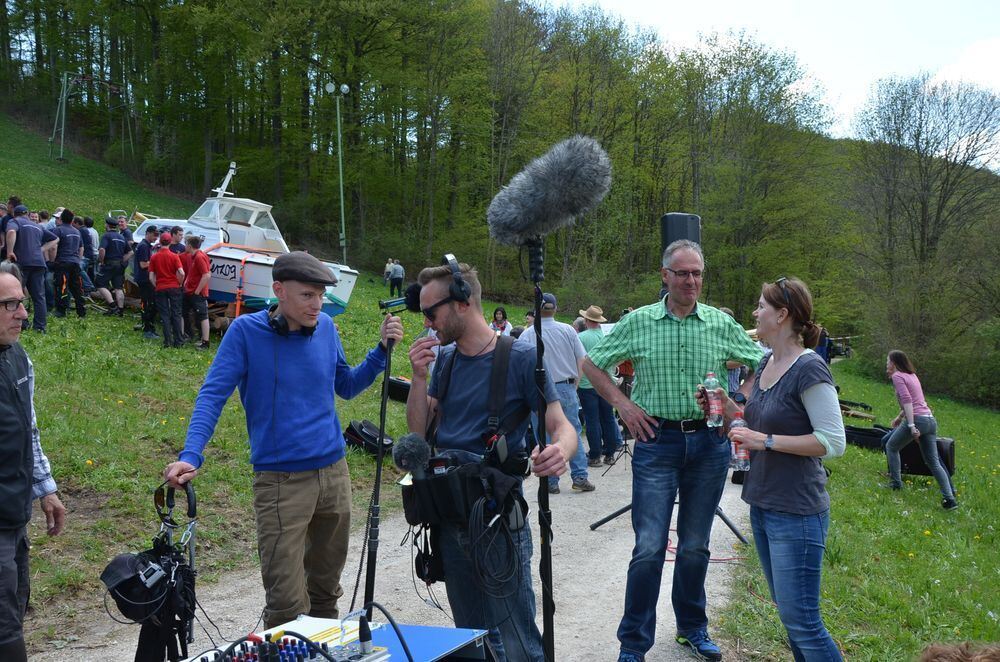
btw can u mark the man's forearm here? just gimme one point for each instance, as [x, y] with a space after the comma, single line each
[602, 384]
[417, 407]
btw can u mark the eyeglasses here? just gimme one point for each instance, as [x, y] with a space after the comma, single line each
[11, 305]
[697, 273]
[429, 311]
[784, 289]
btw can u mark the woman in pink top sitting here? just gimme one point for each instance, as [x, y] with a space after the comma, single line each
[914, 423]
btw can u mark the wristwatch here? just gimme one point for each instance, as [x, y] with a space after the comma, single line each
[769, 443]
[740, 399]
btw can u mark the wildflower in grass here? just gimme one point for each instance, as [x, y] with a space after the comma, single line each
[90, 463]
[910, 555]
[927, 532]
[121, 402]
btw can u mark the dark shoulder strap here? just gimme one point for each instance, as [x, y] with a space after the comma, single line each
[498, 383]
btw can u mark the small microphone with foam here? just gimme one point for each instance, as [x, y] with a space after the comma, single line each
[411, 453]
[551, 192]
[411, 300]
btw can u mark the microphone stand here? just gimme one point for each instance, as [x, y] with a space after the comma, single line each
[375, 507]
[536, 264]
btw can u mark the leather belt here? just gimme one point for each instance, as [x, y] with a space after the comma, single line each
[571, 380]
[686, 426]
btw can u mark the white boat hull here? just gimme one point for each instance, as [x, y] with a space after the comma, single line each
[235, 269]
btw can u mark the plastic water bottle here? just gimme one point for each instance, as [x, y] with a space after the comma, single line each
[740, 458]
[714, 401]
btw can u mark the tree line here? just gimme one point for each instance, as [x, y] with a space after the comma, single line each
[447, 100]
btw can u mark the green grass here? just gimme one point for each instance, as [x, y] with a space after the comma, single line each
[87, 187]
[900, 572]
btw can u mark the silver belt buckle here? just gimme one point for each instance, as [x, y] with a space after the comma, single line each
[684, 425]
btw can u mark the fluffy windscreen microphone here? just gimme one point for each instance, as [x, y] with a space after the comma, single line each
[411, 453]
[569, 180]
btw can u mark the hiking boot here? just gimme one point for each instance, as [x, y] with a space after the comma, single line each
[582, 485]
[594, 462]
[113, 310]
[629, 656]
[701, 645]
[553, 488]
[609, 460]
[949, 504]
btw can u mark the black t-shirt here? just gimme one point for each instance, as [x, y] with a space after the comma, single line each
[68, 249]
[114, 245]
[143, 251]
[177, 248]
[87, 241]
[781, 481]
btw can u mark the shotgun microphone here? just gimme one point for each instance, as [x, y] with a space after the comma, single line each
[411, 300]
[554, 189]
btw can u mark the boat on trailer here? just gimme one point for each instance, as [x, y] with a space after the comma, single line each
[242, 241]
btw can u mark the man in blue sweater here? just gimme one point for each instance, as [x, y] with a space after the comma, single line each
[288, 363]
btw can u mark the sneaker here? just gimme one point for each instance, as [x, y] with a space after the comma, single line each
[629, 656]
[150, 335]
[113, 310]
[583, 485]
[701, 645]
[553, 488]
[609, 460]
[594, 462]
[949, 504]
[58, 313]
[203, 345]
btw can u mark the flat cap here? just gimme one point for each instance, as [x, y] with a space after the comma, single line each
[302, 267]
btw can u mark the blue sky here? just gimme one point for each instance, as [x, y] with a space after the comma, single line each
[845, 46]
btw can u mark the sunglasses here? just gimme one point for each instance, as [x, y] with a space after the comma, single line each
[429, 311]
[784, 289]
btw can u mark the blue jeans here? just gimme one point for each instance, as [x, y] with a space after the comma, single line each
[791, 553]
[571, 407]
[34, 280]
[601, 424]
[695, 466]
[900, 436]
[513, 634]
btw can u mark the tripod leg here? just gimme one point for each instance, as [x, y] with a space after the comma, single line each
[605, 520]
[731, 525]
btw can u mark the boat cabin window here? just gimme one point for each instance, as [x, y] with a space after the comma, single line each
[264, 221]
[238, 215]
[207, 211]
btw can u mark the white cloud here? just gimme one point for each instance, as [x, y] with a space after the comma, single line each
[976, 64]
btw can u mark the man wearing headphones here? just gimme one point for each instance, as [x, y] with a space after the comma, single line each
[451, 303]
[302, 489]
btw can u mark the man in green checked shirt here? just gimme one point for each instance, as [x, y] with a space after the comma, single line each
[673, 344]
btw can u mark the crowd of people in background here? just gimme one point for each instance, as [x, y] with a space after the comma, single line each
[63, 261]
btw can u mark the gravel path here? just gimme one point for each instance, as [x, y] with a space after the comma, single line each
[589, 566]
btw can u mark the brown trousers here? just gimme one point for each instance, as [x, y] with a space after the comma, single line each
[303, 527]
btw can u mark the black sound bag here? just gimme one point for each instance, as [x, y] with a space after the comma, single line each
[399, 389]
[867, 438]
[913, 462]
[364, 435]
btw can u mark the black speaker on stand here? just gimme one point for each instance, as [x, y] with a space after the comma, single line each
[678, 225]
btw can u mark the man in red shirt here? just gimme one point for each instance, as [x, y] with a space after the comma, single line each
[196, 285]
[166, 274]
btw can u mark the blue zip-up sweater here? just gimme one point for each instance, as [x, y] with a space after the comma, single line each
[287, 387]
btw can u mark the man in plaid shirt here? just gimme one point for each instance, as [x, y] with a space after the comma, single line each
[673, 344]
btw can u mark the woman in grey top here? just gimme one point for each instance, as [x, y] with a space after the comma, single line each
[793, 420]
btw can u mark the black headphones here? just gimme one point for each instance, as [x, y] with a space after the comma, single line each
[279, 324]
[459, 290]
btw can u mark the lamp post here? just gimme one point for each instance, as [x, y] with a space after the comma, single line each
[331, 88]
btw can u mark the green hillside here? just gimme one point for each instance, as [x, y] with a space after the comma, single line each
[88, 187]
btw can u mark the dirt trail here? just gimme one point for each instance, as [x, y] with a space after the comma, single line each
[589, 584]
